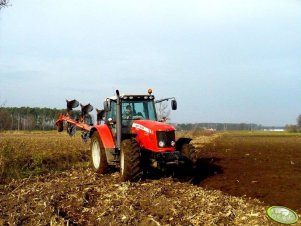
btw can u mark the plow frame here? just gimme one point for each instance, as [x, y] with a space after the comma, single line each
[78, 123]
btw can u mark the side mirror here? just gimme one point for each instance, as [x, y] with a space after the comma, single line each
[173, 104]
[107, 105]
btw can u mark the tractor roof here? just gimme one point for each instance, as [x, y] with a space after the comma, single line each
[133, 97]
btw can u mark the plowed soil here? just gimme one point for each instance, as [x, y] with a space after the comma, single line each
[265, 167]
[236, 178]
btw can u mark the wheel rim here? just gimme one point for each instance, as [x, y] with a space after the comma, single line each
[121, 162]
[96, 154]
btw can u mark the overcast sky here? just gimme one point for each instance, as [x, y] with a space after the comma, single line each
[224, 61]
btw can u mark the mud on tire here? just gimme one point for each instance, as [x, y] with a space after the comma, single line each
[130, 160]
[98, 155]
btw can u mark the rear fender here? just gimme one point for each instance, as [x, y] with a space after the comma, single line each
[105, 135]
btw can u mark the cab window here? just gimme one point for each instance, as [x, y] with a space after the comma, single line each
[112, 113]
[132, 110]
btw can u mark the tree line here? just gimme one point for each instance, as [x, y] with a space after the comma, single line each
[26, 118]
[295, 127]
[237, 126]
[219, 126]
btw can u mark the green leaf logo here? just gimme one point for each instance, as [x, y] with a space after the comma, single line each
[282, 215]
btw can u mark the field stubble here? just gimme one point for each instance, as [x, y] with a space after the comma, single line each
[26, 154]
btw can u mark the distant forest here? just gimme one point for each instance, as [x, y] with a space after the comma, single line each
[26, 118]
[222, 126]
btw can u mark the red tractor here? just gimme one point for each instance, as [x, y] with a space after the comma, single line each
[131, 136]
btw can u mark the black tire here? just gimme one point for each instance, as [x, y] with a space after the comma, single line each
[98, 155]
[130, 160]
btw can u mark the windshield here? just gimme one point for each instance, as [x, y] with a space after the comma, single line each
[132, 110]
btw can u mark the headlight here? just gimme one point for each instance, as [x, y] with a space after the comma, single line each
[172, 143]
[161, 144]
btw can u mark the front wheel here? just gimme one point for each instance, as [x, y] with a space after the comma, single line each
[130, 160]
[98, 156]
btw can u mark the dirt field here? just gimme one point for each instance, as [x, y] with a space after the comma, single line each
[266, 167]
[232, 170]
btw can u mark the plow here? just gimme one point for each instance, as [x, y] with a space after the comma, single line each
[74, 121]
[128, 135]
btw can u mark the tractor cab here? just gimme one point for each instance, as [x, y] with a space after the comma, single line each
[132, 107]
[122, 110]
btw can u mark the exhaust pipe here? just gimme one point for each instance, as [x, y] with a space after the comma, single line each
[118, 122]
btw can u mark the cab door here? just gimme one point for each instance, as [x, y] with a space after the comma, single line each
[110, 118]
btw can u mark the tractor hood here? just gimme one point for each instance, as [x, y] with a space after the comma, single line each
[149, 126]
[154, 136]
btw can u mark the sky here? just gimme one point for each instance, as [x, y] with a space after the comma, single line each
[234, 61]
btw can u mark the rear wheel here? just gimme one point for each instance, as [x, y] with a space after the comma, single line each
[98, 155]
[130, 165]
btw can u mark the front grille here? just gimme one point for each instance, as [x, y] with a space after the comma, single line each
[167, 137]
